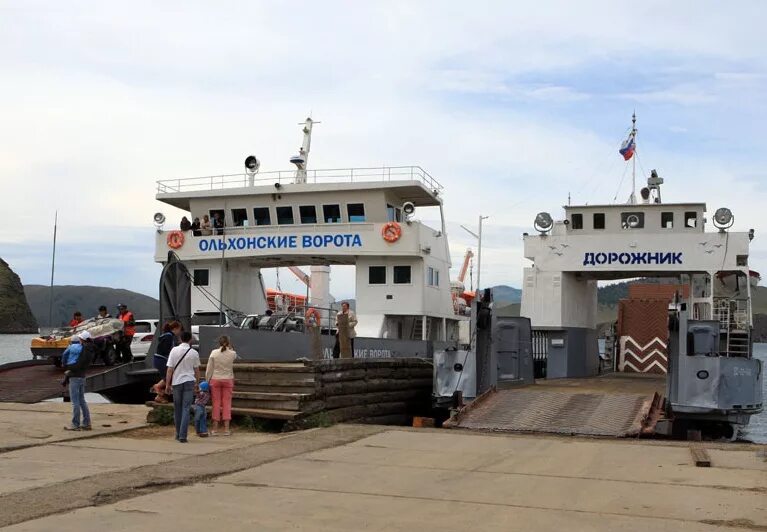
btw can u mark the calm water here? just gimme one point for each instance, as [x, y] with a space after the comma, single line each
[15, 347]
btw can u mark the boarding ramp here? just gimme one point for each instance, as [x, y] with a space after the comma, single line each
[32, 381]
[604, 407]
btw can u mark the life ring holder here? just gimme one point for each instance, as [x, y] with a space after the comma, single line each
[311, 311]
[391, 231]
[175, 239]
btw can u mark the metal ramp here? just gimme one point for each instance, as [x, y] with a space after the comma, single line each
[32, 381]
[537, 409]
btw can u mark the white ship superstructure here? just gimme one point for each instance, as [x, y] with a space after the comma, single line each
[357, 216]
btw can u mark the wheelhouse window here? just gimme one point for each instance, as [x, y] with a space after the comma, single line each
[240, 217]
[261, 216]
[432, 277]
[401, 274]
[576, 221]
[377, 275]
[285, 215]
[599, 220]
[356, 212]
[632, 220]
[201, 277]
[308, 214]
[393, 214]
[331, 214]
[667, 220]
[691, 219]
[217, 214]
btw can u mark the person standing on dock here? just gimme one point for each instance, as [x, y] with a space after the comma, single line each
[181, 380]
[76, 373]
[200, 412]
[346, 320]
[219, 372]
[165, 343]
[129, 330]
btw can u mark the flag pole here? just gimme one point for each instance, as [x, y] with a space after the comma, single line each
[633, 197]
[53, 269]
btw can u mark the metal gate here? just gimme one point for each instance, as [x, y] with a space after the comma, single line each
[540, 353]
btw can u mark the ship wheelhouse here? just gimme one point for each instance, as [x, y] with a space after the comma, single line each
[626, 241]
[360, 217]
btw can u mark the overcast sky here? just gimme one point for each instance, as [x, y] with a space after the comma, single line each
[511, 106]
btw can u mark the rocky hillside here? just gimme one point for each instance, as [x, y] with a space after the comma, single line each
[86, 299]
[15, 314]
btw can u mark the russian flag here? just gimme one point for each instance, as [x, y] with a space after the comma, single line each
[627, 148]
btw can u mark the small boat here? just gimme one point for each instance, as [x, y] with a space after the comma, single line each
[52, 346]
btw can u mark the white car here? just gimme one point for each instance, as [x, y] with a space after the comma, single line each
[145, 331]
[212, 319]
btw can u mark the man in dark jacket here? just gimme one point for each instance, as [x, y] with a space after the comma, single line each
[76, 373]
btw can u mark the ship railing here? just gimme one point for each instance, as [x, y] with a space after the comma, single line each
[284, 177]
[733, 314]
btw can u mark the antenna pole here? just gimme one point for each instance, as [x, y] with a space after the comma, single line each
[633, 197]
[303, 153]
[53, 269]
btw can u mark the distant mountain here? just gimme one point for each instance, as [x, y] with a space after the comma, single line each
[86, 299]
[506, 294]
[15, 315]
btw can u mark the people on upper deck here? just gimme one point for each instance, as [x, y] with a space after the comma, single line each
[186, 225]
[218, 223]
[205, 229]
[77, 319]
[196, 227]
[103, 313]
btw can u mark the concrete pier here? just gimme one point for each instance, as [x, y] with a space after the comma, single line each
[355, 477]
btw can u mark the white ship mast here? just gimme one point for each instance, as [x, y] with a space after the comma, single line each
[633, 136]
[302, 159]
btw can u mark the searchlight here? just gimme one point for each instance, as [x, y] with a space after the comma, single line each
[543, 222]
[723, 218]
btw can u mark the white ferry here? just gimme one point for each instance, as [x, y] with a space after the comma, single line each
[703, 340]
[366, 217]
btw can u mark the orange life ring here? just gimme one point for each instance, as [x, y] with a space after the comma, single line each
[391, 231]
[313, 312]
[175, 239]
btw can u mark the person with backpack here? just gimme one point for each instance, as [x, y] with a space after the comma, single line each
[76, 373]
[181, 379]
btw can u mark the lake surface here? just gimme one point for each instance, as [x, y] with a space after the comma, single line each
[14, 347]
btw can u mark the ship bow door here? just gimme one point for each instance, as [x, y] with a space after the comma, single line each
[513, 351]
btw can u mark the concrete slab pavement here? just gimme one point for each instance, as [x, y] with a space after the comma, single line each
[24, 425]
[427, 480]
[267, 509]
[44, 465]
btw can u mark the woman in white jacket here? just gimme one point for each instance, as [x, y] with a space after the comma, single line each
[219, 372]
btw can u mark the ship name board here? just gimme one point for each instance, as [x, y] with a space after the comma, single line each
[338, 240]
[644, 257]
